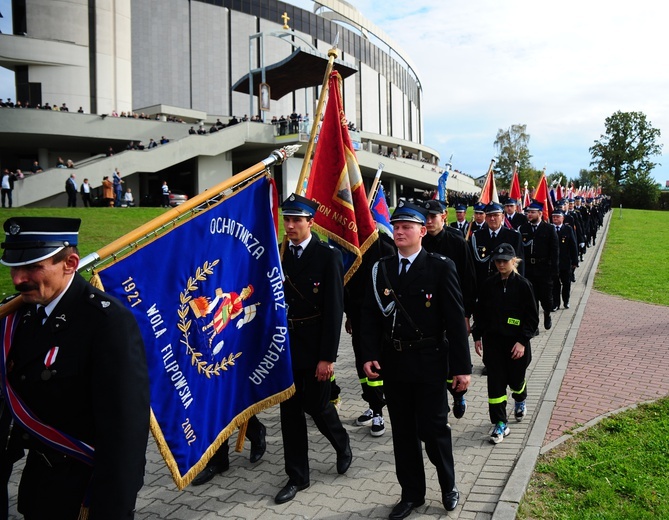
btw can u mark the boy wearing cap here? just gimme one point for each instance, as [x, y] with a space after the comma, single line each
[505, 319]
[314, 286]
[515, 218]
[461, 223]
[75, 367]
[416, 335]
[479, 219]
[447, 241]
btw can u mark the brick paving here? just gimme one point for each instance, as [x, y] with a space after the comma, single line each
[620, 357]
[602, 354]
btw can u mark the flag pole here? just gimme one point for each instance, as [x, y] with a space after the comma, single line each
[485, 186]
[375, 185]
[168, 219]
[332, 55]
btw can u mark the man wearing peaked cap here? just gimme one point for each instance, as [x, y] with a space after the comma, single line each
[568, 260]
[76, 361]
[512, 215]
[314, 287]
[479, 217]
[461, 223]
[485, 240]
[448, 241]
[415, 332]
[542, 252]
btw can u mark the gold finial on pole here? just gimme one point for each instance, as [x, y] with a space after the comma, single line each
[285, 19]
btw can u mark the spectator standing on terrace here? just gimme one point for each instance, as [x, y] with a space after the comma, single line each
[107, 191]
[36, 168]
[71, 190]
[166, 195]
[7, 181]
[85, 193]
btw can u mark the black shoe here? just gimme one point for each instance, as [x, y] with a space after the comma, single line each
[209, 472]
[289, 491]
[484, 371]
[344, 459]
[556, 308]
[258, 449]
[566, 305]
[548, 323]
[459, 408]
[404, 508]
[451, 499]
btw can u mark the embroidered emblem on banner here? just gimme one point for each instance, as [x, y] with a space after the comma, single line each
[212, 316]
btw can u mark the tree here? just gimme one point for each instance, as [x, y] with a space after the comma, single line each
[512, 145]
[621, 156]
[640, 191]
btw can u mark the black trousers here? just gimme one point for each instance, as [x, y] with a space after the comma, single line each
[419, 413]
[312, 397]
[253, 433]
[543, 289]
[502, 372]
[372, 389]
[561, 287]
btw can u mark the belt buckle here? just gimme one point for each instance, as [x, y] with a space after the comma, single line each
[397, 345]
[291, 326]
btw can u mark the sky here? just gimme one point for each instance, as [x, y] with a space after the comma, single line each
[561, 68]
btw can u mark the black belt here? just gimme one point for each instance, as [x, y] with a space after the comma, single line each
[299, 322]
[537, 260]
[412, 344]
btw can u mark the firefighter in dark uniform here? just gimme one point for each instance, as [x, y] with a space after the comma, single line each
[578, 228]
[505, 319]
[461, 223]
[314, 285]
[479, 219]
[484, 241]
[541, 257]
[77, 365]
[585, 218]
[415, 334]
[354, 296]
[594, 219]
[512, 215]
[448, 241]
[568, 260]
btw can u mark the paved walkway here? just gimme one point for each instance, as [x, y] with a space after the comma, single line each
[602, 354]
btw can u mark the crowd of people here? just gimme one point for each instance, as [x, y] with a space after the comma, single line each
[413, 302]
[8, 103]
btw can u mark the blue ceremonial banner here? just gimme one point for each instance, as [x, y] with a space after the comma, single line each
[441, 186]
[208, 297]
[380, 212]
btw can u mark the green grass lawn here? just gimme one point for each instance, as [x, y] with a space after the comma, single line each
[635, 262]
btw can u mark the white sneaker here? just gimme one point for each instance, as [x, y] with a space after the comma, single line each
[365, 419]
[378, 426]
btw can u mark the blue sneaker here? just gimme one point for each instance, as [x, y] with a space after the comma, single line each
[500, 431]
[520, 410]
[459, 407]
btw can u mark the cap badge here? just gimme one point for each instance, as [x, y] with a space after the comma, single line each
[14, 229]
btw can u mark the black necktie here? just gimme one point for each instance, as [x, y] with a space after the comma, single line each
[534, 228]
[296, 251]
[41, 315]
[405, 267]
[494, 235]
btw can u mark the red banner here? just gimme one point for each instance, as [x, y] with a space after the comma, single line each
[336, 184]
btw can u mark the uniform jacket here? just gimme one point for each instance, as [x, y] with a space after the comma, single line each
[97, 391]
[568, 248]
[430, 294]
[541, 249]
[463, 229]
[315, 295]
[482, 246]
[453, 246]
[517, 220]
[506, 309]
